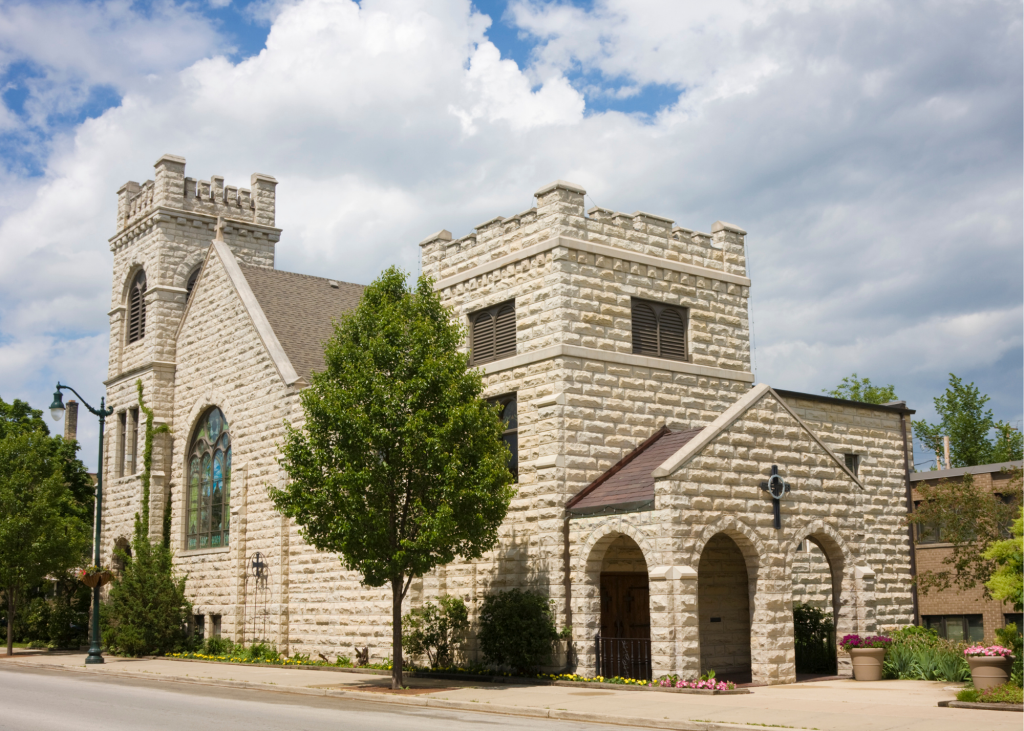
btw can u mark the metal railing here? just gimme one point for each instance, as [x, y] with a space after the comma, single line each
[623, 657]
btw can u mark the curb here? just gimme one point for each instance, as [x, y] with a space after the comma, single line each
[1018, 707]
[418, 701]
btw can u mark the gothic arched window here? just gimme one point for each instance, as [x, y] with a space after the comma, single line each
[209, 483]
[137, 308]
[191, 283]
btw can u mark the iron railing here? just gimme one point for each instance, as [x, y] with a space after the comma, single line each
[623, 657]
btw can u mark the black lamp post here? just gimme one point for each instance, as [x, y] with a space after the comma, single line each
[57, 412]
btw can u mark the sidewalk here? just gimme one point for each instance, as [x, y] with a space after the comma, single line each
[832, 705]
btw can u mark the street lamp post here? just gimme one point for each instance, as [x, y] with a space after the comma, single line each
[57, 412]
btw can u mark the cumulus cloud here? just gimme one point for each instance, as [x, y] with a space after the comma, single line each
[872, 150]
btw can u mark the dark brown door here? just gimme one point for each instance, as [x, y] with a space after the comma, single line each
[625, 606]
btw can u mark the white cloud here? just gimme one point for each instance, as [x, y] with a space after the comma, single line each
[873, 151]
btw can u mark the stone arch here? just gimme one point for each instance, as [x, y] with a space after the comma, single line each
[586, 587]
[848, 596]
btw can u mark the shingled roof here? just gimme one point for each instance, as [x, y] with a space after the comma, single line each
[301, 310]
[629, 484]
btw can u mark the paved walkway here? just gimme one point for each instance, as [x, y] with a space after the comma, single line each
[832, 705]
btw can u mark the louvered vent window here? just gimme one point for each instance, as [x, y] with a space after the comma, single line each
[493, 333]
[137, 308]
[659, 330]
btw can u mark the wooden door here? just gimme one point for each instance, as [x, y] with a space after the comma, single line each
[625, 606]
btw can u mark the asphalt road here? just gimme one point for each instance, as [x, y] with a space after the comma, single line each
[41, 700]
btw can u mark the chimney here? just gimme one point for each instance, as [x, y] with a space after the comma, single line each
[71, 420]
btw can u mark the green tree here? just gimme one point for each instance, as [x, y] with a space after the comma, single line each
[41, 531]
[853, 389]
[147, 611]
[971, 519]
[968, 424]
[399, 466]
[1007, 582]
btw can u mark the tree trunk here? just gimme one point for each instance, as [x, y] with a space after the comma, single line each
[397, 681]
[10, 622]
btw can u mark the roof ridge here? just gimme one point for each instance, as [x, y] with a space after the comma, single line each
[252, 267]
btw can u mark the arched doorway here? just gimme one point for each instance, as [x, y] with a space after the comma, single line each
[724, 610]
[816, 576]
[624, 643]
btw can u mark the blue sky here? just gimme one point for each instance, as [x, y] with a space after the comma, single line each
[872, 150]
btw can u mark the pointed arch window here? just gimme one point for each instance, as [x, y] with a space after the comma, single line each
[190, 284]
[493, 333]
[659, 330]
[209, 483]
[510, 435]
[137, 308]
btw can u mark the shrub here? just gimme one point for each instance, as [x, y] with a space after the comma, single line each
[1006, 693]
[218, 646]
[147, 613]
[517, 629]
[815, 637]
[436, 630]
[918, 653]
[1009, 636]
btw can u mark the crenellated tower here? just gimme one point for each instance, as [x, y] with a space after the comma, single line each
[164, 229]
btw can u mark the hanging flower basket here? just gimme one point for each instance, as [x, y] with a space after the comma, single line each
[93, 576]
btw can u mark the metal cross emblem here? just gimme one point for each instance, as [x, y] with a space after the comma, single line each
[258, 565]
[777, 488]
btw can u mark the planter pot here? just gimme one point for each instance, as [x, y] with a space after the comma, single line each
[867, 662]
[989, 672]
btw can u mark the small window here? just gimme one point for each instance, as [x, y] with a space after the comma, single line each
[659, 330]
[199, 626]
[493, 333]
[957, 627]
[853, 463]
[137, 308]
[131, 457]
[215, 625]
[122, 435]
[1015, 618]
[120, 555]
[930, 532]
[509, 415]
[191, 283]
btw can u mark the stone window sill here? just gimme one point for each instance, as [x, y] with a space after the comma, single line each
[205, 551]
[921, 546]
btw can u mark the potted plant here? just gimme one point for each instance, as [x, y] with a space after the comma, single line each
[93, 576]
[867, 654]
[990, 666]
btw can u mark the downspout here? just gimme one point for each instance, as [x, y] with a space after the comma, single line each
[910, 509]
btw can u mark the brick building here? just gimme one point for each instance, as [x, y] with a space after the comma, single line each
[959, 614]
[618, 345]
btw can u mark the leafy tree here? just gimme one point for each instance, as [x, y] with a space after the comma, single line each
[436, 630]
[40, 530]
[964, 419]
[853, 389]
[147, 612]
[516, 629]
[1007, 582]
[971, 519]
[400, 466]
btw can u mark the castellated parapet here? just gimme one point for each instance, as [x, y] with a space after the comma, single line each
[170, 188]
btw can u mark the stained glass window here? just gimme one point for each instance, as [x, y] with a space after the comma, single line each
[209, 483]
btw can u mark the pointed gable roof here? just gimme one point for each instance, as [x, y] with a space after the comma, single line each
[629, 484]
[301, 310]
[693, 447]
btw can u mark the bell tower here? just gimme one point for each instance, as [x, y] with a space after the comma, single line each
[164, 230]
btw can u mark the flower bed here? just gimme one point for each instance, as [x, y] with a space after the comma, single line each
[1007, 693]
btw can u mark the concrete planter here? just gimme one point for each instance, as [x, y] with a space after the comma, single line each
[989, 672]
[867, 662]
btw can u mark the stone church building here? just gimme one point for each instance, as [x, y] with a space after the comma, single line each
[619, 345]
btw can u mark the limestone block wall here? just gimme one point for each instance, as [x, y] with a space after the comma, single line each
[812, 577]
[222, 362]
[875, 435]
[723, 607]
